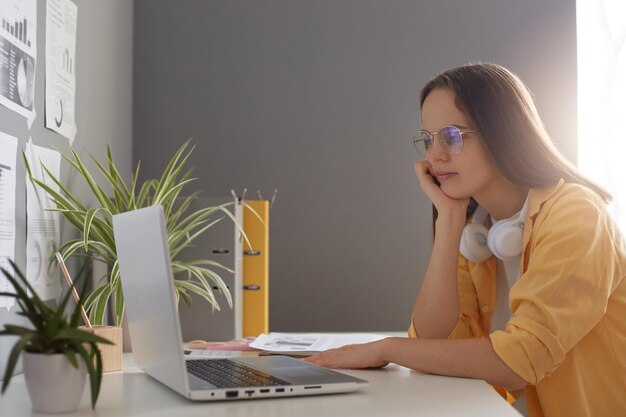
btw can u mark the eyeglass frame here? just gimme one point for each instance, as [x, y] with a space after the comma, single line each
[443, 142]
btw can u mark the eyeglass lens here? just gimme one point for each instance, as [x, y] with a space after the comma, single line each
[449, 136]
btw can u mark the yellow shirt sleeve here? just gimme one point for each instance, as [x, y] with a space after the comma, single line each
[564, 290]
[469, 323]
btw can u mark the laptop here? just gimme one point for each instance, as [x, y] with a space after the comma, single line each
[153, 323]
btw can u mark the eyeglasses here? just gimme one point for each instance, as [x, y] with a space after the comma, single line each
[450, 137]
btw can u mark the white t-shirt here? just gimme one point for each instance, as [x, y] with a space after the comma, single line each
[507, 274]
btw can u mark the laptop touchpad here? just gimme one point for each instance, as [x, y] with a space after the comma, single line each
[295, 371]
[305, 375]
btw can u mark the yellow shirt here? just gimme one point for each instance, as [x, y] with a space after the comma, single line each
[567, 334]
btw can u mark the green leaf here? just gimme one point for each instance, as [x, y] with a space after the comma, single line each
[118, 185]
[100, 306]
[50, 190]
[91, 213]
[95, 294]
[119, 305]
[80, 336]
[32, 304]
[70, 354]
[95, 371]
[11, 329]
[13, 356]
[193, 287]
[209, 263]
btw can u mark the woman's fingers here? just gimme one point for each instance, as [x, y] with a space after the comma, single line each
[351, 356]
[430, 186]
[426, 178]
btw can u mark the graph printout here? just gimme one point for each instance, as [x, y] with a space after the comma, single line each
[8, 155]
[42, 234]
[61, 19]
[310, 342]
[18, 55]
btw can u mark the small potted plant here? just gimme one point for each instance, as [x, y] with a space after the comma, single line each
[57, 355]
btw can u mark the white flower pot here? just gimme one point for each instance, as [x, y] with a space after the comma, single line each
[54, 385]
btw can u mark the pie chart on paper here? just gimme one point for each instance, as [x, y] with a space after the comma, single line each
[37, 261]
[26, 81]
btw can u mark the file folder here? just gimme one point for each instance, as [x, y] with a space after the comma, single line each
[256, 268]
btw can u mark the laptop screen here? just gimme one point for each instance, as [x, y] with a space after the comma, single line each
[147, 282]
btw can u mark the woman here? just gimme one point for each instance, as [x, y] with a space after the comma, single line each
[548, 313]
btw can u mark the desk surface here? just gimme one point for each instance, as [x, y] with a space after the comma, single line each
[393, 391]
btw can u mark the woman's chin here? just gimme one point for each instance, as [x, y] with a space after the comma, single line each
[454, 193]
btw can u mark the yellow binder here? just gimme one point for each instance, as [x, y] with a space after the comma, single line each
[256, 268]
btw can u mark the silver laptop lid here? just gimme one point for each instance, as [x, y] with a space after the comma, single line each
[147, 281]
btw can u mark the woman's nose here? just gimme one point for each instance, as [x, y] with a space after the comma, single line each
[438, 152]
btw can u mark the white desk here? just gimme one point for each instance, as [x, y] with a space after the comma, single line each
[393, 391]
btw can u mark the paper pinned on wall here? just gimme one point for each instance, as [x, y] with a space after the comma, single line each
[18, 48]
[61, 18]
[8, 155]
[42, 234]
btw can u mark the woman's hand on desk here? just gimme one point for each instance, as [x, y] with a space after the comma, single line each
[364, 355]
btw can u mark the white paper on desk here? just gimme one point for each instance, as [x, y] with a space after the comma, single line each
[310, 342]
[8, 156]
[61, 18]
[43, 233]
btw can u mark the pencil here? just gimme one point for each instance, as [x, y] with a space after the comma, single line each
[68, 278]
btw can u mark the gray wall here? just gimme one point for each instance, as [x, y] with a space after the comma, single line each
[103, 109]
[319, 99]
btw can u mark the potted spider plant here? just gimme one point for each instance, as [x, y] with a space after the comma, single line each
[54, 349]
[95, 225]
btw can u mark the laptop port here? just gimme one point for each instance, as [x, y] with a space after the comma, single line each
[264, 390]
[232, 394]
[313, 386]
[250, 392]
[280, 390]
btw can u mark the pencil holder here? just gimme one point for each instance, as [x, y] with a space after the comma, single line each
[111, 354]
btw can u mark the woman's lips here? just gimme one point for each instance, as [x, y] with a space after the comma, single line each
[444, 175]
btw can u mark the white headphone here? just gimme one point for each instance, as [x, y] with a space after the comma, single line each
[504, 239]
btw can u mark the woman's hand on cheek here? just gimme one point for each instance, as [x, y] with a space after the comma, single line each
[442, 202]
[427, 180]
[364, 355]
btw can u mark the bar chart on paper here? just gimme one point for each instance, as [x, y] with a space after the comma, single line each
[67, 59]
[18, 29]
[18, 49]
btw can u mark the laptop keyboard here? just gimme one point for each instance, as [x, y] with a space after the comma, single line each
[224, 373]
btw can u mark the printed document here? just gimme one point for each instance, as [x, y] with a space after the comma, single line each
[310, 342]
[8, 155]
[61, 18]
[18, 55]
[43, 234]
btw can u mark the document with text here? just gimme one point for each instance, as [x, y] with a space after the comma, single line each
[18, 56]
[61, 23]
[43, 234]
[310, 342]
[8, 163]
